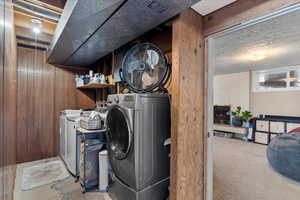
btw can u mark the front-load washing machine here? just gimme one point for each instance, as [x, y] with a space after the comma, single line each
[138, 125]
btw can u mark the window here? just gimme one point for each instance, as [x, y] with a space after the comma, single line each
[295, 78]
[281, 79]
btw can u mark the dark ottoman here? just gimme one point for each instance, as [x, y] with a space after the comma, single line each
[284, 155]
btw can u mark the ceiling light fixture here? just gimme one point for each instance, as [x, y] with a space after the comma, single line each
[36, 30]
[257, 56]
[36, 21]
[37, 25]
[260, 54]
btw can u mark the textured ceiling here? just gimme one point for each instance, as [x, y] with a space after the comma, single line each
[270, 44]
[205, 7]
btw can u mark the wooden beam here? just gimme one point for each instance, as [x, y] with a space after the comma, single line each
[242, 11]
[188, 108]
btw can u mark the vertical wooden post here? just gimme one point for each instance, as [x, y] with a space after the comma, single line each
[8, 109]
[188, 108]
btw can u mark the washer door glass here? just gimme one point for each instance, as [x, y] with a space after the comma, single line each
[119, 133]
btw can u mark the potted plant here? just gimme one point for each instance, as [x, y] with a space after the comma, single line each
[239, 117]
[246, 116]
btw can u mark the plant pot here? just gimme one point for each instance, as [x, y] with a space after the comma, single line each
[246, 124]
[237, 122]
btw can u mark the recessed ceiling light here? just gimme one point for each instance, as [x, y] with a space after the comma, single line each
[36, 21]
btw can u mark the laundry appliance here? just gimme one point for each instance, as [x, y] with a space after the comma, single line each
[69, 122]
[139, 125]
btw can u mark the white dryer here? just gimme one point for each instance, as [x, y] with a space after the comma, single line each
[68, 125]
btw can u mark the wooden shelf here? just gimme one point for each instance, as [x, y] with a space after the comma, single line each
[229, 128]
[95, 86]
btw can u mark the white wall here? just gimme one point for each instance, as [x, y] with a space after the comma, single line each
[232, 89]
[286, 103]
[235, 90]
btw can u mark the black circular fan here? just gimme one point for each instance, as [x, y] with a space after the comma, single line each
[144, 68]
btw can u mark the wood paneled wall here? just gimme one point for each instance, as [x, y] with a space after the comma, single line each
[8, 100]
[43, 91]
[67, 96]
[1, 100]
[104, 66]
[35, 105]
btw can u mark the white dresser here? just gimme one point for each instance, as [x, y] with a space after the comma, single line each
[265, 129]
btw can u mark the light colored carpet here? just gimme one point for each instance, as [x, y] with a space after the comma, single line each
[43, 174]
[241, 172]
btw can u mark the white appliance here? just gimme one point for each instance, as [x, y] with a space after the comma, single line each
[62, 136]
[69, 122]
[103, 171]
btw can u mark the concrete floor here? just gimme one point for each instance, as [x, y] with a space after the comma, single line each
[62, 190]
[241, 172]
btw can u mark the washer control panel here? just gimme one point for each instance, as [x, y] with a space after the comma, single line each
[113, 99]
[126, 100]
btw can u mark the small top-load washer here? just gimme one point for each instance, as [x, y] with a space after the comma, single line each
[63, 129]
[138, 126]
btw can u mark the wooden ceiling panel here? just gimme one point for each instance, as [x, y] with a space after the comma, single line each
[24, 20]
[56, 3]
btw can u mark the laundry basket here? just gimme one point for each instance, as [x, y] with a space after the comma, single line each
[91, 121]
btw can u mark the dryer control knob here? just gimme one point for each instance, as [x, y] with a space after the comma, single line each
[116, 100]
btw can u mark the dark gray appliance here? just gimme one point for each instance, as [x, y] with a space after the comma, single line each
[138, 125]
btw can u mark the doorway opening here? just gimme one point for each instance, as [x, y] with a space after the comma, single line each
[254, 90]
